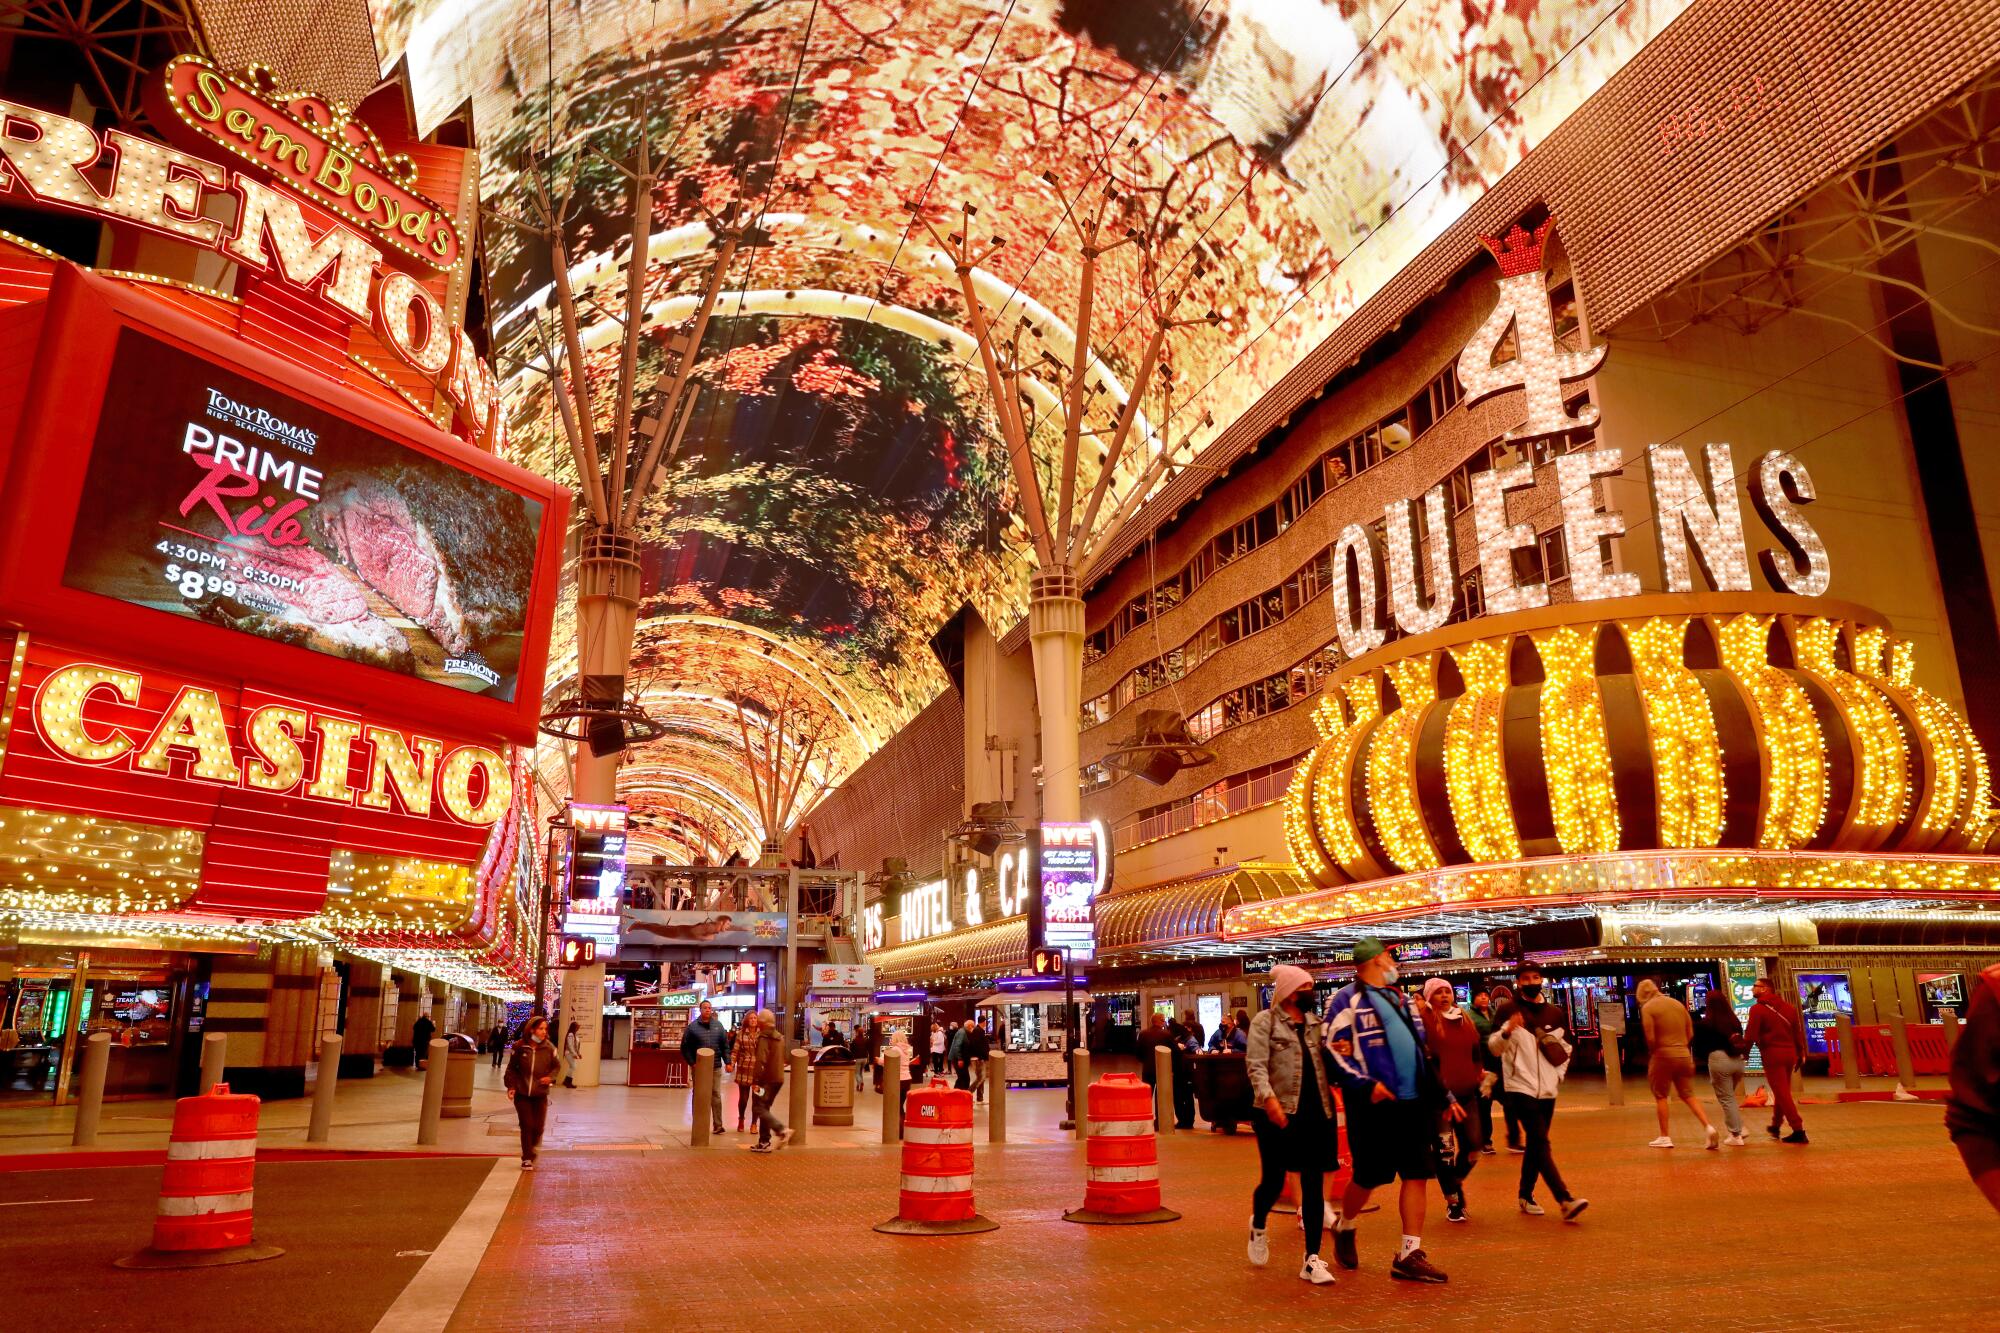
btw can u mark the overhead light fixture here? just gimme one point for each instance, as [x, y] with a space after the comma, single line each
[989, 827]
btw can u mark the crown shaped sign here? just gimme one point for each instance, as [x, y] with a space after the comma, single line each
[1519, 251]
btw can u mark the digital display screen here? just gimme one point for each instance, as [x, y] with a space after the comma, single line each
[215, 498]
[1069, 882]
[1823, 996]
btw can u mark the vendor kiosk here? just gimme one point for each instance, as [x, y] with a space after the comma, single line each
[1029, 1026]
[895, 1013]
[658, 1022]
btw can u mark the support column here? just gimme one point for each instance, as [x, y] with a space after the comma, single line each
[607, 606]
[1055, 629]
[264, 1009]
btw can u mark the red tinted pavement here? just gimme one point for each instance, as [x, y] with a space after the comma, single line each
[1871, 1227]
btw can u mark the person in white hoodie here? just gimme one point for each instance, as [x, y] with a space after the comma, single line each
[1528, 1034]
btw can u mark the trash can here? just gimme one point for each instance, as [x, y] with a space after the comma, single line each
[833, 1087]
[1222, 1089]
[458, 1070]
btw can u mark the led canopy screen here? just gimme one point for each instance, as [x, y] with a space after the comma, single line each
[215, 498]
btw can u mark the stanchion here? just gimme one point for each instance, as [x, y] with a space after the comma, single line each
[204, 1214]
[1899, 1037]
[1122, 1162]
[1614, 1068]
[996, 1097]
[935, 1198]
[892, 1101]
[433, 1104]
[212, 1052]
[1850, 1053]
[1163, 1088]
[1080, 1089]
[328, 1079]
[90, 1097]
[701, 1115]
[801, 1103]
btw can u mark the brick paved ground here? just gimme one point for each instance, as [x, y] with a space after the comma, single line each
[1871, 1227]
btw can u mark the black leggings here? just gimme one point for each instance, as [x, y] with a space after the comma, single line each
[1278, 1151]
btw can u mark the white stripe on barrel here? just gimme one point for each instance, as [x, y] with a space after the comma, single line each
[1123, 1175]
[209, 1150]
[199, 1205]
[941, 1138]
[937, 1184]
[1121, 1129]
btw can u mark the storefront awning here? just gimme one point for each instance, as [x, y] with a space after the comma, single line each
[1186, 915]
[977, 951]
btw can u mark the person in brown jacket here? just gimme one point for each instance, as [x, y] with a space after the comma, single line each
[1777, 1030]
[531, 1071]
[742, 1059]
[767, 1074]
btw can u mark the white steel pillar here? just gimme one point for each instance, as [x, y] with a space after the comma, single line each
[1055, 630]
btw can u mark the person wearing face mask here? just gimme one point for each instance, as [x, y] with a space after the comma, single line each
[1293, 1116]
[1534, 1053]
[1395, 1105]
[531, 1071]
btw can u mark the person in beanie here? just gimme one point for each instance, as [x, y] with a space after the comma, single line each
[1529, 1034]
[1293, 1116]
[1393, 1100]
[1456, 1045]
[531, 1071]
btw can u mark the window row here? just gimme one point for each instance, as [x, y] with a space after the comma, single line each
[1346, 460]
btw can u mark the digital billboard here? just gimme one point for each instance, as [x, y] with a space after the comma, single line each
[212, 497]
[1069, 884]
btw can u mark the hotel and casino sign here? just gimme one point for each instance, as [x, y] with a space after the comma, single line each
[314, 147]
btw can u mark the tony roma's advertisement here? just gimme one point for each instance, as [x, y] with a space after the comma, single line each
[214, 497]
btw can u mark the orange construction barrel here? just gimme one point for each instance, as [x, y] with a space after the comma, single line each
[1121, 1159]
[206, 1190]
[936, 1194]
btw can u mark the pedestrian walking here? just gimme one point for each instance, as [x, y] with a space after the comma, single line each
[1779, 1034]
[496, 1044]
[1972, 1115]
[421, 1033]
[1489, 1068]
[706, 1033]
[767, 1063]
[867, 1037]
[1534, 1053]
[1720, 1047]
[1503, 1004]
[899, 1045]
[1394, 1102]
[1293, 1116]
[572, 1052]
[1670, 1059]
[531, 1071]
[742, 1064]
[1455, 1043]
[936, 1067]
[978, 1046]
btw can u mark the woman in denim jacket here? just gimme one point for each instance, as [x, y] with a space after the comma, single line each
[1294, 1115]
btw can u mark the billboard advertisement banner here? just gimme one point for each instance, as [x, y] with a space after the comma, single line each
[1069, 883]
[213, 497]
[649, 930]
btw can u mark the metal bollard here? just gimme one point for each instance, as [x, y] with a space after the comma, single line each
[1850, 1054]
[1080, 1090]
[996, 1097]
[212, 1045]
[427, 1126]
[329, 1078]
[1899, 1037]
[1163, 1091]
[1949, 1017]
[801, 1096]
[892, 1101]
[90, 1097]
[1614, 1068]
[703, 1093]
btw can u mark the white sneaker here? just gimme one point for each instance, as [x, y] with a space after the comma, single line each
[1661, 1142]
[1316, 1272]
[1714, 1138]
[1737, 1141]
[784, 1137]
[1260, 1248]
[1532, 1209]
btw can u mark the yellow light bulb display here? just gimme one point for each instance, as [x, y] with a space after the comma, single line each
[1392, 771]
[1575, 754]
[1788, 735]
[1883, 784]
[1680, 728]
[1474, 763]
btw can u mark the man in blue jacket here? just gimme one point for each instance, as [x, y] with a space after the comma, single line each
[1393, 1101]
[706, 1030]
